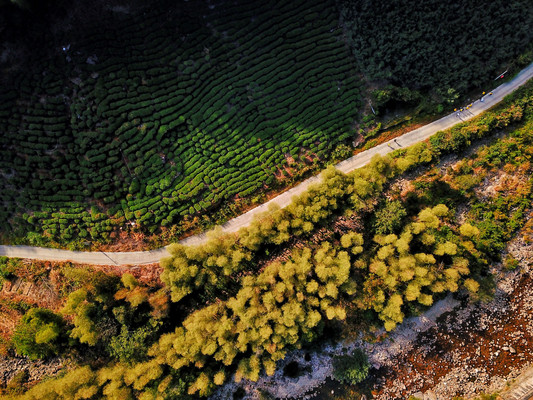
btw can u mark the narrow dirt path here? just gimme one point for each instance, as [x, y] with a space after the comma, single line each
[284, 199]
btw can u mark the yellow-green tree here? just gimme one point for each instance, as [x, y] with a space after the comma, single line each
[282, 308]
[404, 275]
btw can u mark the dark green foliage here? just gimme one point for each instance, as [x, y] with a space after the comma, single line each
[131, 346]
[437, 45]
[165, 128]
[389, 218]
[41, 333]
[342, 152]
[119, 318]
[6, 268]
[389, 95]
[92, 324]
[351, 369]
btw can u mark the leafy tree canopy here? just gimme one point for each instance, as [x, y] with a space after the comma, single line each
[39, 334]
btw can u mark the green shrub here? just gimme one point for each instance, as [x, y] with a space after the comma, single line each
[351, 369]
[131, 346]
[7, 267]
[40, 334]
[342, 152]
[17, 383]
[389, 218]
[511, 263]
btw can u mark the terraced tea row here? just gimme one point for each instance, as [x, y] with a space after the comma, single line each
[283, 200]
[151, 122]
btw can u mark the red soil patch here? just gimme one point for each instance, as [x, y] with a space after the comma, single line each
[466, 349]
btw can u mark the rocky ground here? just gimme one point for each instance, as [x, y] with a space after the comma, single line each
[454, 349]
[474, 349]
[37, 370]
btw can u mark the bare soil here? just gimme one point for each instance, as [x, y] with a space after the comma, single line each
[473, 350]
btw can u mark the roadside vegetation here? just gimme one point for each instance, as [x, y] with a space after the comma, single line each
[330, 261]
[161, 128]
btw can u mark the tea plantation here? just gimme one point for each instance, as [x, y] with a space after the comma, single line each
[164, 115]
[439, 45]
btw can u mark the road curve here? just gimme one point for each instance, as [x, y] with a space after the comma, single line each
[282, 200]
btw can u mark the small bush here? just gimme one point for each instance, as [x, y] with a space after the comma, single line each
[389, 218]
[351, 369]
[342, 152]
[16, 384]
[130, 346]
[511, 263]
[39, 334]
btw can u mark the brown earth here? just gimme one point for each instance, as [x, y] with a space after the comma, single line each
[42, 293]
[45, 286]
[477, 348]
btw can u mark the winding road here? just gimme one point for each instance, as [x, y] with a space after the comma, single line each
[357, 161]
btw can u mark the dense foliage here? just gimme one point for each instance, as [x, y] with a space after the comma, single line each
[41, 333]
[241, 320]
[450, 47]
[157, 120]
[389, 218]
[285, 306]
[351, 368]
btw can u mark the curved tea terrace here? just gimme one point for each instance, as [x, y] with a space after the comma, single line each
[282, 200]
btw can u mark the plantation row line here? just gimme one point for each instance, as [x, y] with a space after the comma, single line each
[167, 133]
[242, 320]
